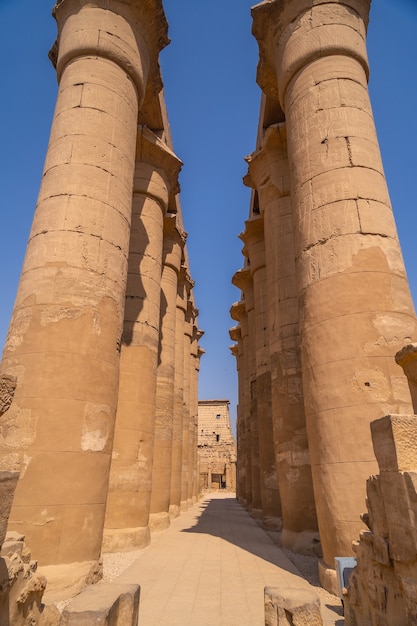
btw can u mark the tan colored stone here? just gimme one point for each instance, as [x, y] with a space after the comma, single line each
[110, 604]
[292, 607]
[394, 438]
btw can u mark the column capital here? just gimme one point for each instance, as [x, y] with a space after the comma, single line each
[254, 240]
[292, 34]
[235, 333]
[131, 34]
[268, 171]
[238, 311]
[242, 278]
[154, 157]
[174, 242]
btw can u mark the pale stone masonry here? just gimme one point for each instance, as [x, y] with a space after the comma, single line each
[216, 446]
[338, 301]
[94, 342]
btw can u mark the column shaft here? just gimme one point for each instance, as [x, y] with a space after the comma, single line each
[354, 295]
[128, 504]
[177, 426]
[161, 473]
[65, 331]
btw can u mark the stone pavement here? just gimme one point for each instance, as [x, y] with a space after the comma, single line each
[210, 569]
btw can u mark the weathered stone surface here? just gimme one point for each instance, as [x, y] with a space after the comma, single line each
[394, 438]
[8, 482]
[7, 389]
[383, 587]
[21, 586]
[292, 607]
[109, 604]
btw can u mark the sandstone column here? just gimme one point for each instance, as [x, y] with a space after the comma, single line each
[356, 306]
[186, 443]
[243, 280]
[178, 417]
[128, 504]
[236, 349]
[269, 174]
[65, 331]
[253, 238]
[244, 462]
[161, 472]
[196, 353]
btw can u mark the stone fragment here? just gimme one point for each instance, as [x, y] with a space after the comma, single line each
[107, 604]
[292, 607]
[394, 439]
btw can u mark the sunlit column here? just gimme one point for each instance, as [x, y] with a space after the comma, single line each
[128, 503]
[243, 280]
[161, 472]
[356, 306]
[269, 175]
[253, 238]
[64, 338]
[178, 416]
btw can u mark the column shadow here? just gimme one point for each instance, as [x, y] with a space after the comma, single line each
[227, 519]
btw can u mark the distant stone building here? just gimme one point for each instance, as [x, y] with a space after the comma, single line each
[216, 446]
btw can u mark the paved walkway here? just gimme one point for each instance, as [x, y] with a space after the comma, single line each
[210, 569]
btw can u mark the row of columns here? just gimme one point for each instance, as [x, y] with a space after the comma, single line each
[328, 305]
[103, 341]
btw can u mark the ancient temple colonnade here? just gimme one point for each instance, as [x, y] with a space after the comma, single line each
[335, 287]
[97, 423]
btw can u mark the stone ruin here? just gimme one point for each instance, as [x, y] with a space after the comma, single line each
[100, 367]
[382, 589]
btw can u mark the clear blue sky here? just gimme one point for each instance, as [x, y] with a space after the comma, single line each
[213, 100]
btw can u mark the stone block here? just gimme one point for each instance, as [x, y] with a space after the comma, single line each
[108, 604]
[292, 607]
[394, 438]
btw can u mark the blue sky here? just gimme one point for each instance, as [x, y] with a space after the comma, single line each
[213, 101]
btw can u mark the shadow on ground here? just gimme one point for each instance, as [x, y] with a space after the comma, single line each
[224, 517]
[227, 519]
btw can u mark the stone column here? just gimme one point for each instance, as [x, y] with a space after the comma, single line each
[356, 306]
[65, 331]
[197, 353]
[243, 280]
[186, 443]
[161, 473]
[128, 503]
[178, 417]
[269, 174]
[253, 238]
[244, 463]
